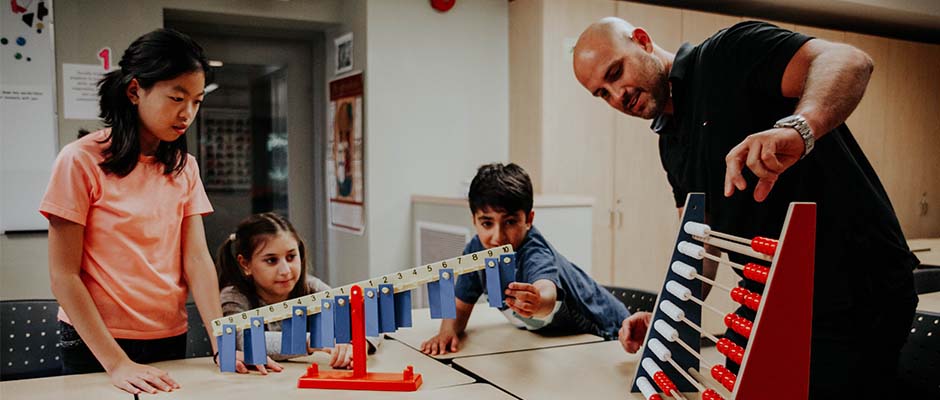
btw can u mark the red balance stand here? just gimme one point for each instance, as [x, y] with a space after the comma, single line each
[359, 378]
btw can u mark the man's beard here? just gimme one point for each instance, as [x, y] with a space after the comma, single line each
[658, 90]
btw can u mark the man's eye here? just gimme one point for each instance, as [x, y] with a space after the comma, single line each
[615, 74]
[176, 99]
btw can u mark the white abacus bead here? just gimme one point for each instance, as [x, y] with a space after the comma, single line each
[697, 229]
[672, 310]
[691, 249]
[678, 290]
[650, 366]
[659, 349]
[684, 270]
[645, 387]
[668, 332]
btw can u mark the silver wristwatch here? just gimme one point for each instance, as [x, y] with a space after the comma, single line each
[799, 123]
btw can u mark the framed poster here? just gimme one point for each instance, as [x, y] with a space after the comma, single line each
[344, 155]
[225, 149]
[344, 54]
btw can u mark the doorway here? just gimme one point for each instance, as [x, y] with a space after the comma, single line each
[258, 139]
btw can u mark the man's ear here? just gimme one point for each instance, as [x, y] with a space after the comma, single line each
[530, 219]
[133, 91]
[643, 39]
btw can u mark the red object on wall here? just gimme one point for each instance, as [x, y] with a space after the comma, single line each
[443, 5]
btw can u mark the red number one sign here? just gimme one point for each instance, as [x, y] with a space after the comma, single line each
[105, 55]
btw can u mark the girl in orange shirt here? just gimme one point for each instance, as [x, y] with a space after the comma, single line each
[125, 206]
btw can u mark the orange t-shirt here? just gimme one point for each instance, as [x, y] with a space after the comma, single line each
[132, 253]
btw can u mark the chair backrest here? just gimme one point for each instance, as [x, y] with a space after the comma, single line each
[919, 368]
[29, 344]
[927, 280]
[197, 340]
[634, 299]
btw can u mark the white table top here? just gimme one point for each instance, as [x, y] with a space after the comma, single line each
[200, 379]
[594, 370]
[488, 332]
[929, 302]
[927, 250]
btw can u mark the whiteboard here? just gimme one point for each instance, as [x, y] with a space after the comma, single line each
[28, 137]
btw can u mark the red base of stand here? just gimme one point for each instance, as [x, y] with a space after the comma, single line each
[407, 381]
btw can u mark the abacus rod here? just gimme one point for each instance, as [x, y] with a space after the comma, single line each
[723, 261]
[713, 283]
[708, 306]
[700, 330]
[693, 381]
[735, 247]
[731, 237]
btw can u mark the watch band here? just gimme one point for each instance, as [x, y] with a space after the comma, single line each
[799, 123]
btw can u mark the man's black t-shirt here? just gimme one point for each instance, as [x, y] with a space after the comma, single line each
[727, 88]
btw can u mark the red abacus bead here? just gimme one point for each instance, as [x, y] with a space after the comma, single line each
[738, 324]
[729, 320]
[738, 293]
[728, 383]
[724, 345]
[663, 382]
[737, 355]
[764, 245]
[718, 372]
[655, 397]
[756, 273]
[746, 326]
[752, 300]
[710, 394]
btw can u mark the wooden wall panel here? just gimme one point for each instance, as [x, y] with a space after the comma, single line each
[646, 223]
[578, 129]
[525, 87]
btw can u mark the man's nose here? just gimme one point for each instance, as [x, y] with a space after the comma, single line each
[616, 96]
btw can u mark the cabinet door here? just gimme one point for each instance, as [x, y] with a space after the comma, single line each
[577, 127]
[645, 218]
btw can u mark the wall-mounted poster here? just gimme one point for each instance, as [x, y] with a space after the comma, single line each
[225, 149]
[344, 54]
[344, 156]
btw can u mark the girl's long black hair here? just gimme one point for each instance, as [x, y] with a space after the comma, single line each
[251, 233]
[160, 55]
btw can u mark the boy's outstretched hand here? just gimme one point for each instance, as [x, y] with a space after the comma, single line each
[440, 343]
[523, 298]
[634, 330]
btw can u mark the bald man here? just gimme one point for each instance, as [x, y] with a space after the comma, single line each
[754, 117]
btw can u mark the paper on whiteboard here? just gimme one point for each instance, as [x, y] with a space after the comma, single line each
[80, 90]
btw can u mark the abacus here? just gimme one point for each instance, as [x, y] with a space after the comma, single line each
[775, 362]
[350, 313]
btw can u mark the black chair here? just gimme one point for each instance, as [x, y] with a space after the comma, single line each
[197, 340]
[927, 280]
[29, 339]
[919, 368]
[634, 299]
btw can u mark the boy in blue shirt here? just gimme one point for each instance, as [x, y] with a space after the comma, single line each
[550, 294]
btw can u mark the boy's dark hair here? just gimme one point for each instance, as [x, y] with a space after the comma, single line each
[160, 55]
[499, 187]
[251, 233]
